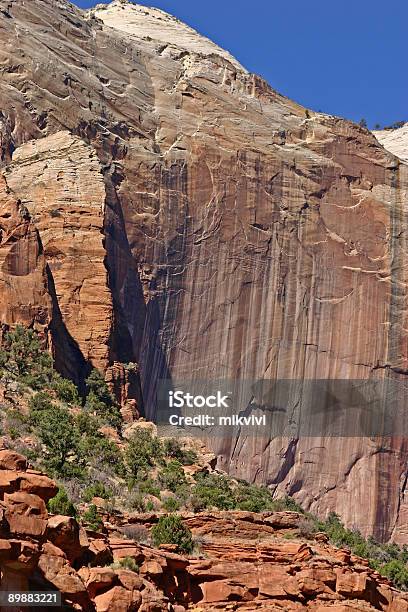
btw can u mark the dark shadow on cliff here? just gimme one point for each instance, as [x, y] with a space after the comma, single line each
[68, 358]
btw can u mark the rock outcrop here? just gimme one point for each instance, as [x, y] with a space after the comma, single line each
[246, 561]
[395, 141]
[199, 224]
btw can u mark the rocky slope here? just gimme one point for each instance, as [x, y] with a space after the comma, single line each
[246, 561]
[193, 221]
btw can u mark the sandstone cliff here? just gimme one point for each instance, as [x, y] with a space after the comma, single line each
[200, 224]
[395, 140]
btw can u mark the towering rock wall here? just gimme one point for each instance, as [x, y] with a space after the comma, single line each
[209, 227]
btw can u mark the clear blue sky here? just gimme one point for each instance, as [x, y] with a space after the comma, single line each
[347, 58]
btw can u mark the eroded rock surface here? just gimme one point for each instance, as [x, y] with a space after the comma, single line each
[228, 232]
[246, 561]
[395, 140]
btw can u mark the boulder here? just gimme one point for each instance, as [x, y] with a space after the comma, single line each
[117, 599]
[97, 579]
[25, 514]
[63, 577]
[65, 532]
[10, 460]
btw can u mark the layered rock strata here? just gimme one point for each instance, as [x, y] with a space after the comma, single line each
[246, 560]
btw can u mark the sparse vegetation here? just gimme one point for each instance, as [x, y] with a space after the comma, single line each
[126, 563]
[92, 518]
[61, 504]
[170, 530]
[100, 401]
[98, 489]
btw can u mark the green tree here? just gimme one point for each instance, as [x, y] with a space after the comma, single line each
[23, 357]
[66, 390]
[170, 530]
[57, 432]
[142, 451]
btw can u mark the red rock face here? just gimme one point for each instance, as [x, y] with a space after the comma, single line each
[199, 224]
[23, 280]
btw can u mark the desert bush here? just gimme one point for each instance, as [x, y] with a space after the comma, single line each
[136, 501]
[212, 491]
[173, 449]
[92, 518]
[148, 487]
[65, 390]
[307, 527]
[61, 504]
[100, 401]
[170, 530]
[23, 357]
[126, 563]
[98, 489]
[172, 476]
[142, 452]
[286, 503]
[171, 504]
[138, 533]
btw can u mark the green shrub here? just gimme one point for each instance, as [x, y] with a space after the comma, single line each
[97, 489]
[172, 448]
[57, 432]
[253, 498]
[61, 504]
[40, 406]
[396, 571]
[100, 452]
[170, 530]
[212, 491]
[92, 518]
[23, 357]
[65, 390]
[172, 476]
[100, 401]
[286, 504]
[149, 487]
[142, 452]
[171, 504]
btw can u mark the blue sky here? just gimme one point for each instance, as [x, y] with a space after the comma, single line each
[346, 58]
